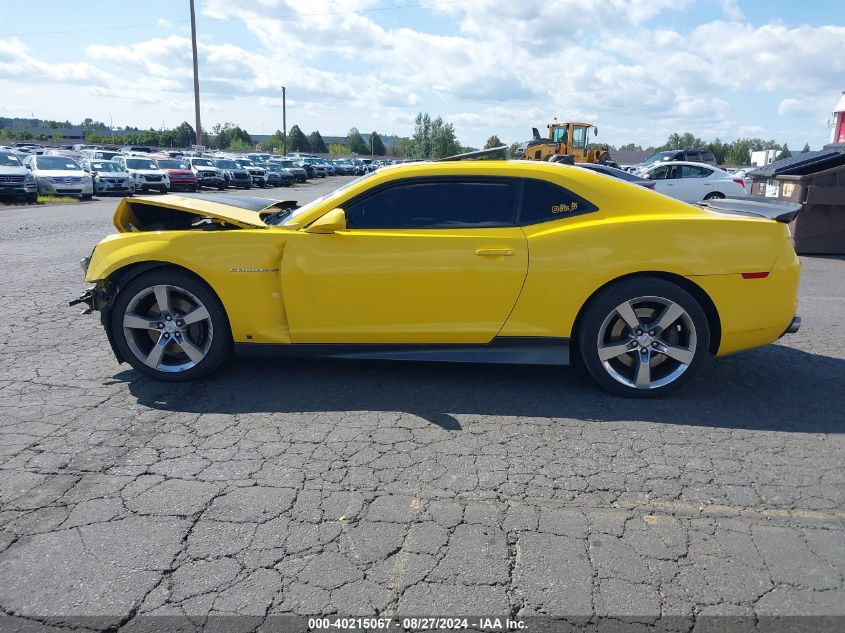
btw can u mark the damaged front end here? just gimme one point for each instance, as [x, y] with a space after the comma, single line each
[100, 297]
[97, 297]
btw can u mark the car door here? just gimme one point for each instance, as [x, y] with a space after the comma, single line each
[661, 177]
[436, 260]
[697, 181]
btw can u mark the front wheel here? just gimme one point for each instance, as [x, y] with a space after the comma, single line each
[643, 338]
[170, 326]
[714, 195]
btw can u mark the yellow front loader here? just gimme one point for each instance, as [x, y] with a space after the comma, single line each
[566, 142]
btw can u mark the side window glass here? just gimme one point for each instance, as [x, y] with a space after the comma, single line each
[559, 135]
[544, 201]
[694, 157]
[445, 204]
[661, 173]
[579, 137]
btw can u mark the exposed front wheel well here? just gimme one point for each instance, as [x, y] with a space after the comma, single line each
[691, 287]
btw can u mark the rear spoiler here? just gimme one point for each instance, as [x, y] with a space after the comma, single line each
[778, 210]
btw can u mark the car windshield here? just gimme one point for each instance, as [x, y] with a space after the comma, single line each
[57, 162]
[140, 163]
[245, 162]
[104, 165]
[172, 164]
[203, 162]
[659, 156]
[286, 216]
[9, 160]
[227, 164]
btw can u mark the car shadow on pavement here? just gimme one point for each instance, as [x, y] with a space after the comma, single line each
[775, 388]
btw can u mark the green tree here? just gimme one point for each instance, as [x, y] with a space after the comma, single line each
[443, 140]
[356, 142]
[237, 144]
[315, 140]
[784, 153]
[513, 151]
[421, 141]
[377, 145]
[297, 141]
[184, 135]
[337, 148]
[229, 134]
[274, 143]
[492, 142]
[407, 147]
[631, 147]
[806, 148]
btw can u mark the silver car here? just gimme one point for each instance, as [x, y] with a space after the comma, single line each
[15, 179]
[60, 175]
[109, 177]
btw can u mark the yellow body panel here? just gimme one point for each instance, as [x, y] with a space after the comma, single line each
[282, 285]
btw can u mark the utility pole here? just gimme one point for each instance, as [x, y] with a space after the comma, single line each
[284, 125]
[111, 129]
[196, 73]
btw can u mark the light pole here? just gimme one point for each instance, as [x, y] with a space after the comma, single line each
[111, 129]
[196, 73]
[284, 125]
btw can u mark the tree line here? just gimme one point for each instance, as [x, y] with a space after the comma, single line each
[433, 138]
[734, 153]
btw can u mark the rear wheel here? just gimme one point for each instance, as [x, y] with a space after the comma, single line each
[170, 326]
[714, 195]
[643, 338]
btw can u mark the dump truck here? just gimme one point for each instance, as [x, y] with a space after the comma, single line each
[566, 142]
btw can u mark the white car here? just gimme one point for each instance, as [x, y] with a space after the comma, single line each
[109, 177]
[693, 182]
[60, 175]
[145, 173]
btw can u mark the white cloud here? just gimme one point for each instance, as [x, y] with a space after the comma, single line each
[501, 66]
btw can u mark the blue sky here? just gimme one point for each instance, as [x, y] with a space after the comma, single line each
[640, 69]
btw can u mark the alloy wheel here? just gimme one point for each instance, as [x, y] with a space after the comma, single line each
[167, 328]
[647, 342]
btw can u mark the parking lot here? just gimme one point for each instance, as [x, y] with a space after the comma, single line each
[319, 487]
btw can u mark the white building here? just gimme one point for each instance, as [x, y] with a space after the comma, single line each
[764, 157]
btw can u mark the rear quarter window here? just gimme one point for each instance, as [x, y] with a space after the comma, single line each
[543, 201]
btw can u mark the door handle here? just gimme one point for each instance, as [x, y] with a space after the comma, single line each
[491, 252]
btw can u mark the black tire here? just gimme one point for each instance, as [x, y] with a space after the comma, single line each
[87, 196]
[162, 190]
[213, 334]
[603, 325]
[714, 195]
[31, 198]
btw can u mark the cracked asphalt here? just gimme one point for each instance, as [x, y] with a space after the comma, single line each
[353, 488]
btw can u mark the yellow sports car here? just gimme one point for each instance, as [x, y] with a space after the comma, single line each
[465, 261]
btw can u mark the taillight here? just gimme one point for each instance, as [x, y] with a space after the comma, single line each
[755, 275]
[740, 182]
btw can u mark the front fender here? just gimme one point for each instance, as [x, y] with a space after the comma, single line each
[240, 266]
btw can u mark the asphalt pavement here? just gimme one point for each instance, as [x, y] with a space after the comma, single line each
[359, 488]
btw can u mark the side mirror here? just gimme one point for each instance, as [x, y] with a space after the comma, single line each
[331, 222]
[595, 131]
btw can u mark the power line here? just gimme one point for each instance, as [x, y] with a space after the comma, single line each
[287, 16]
